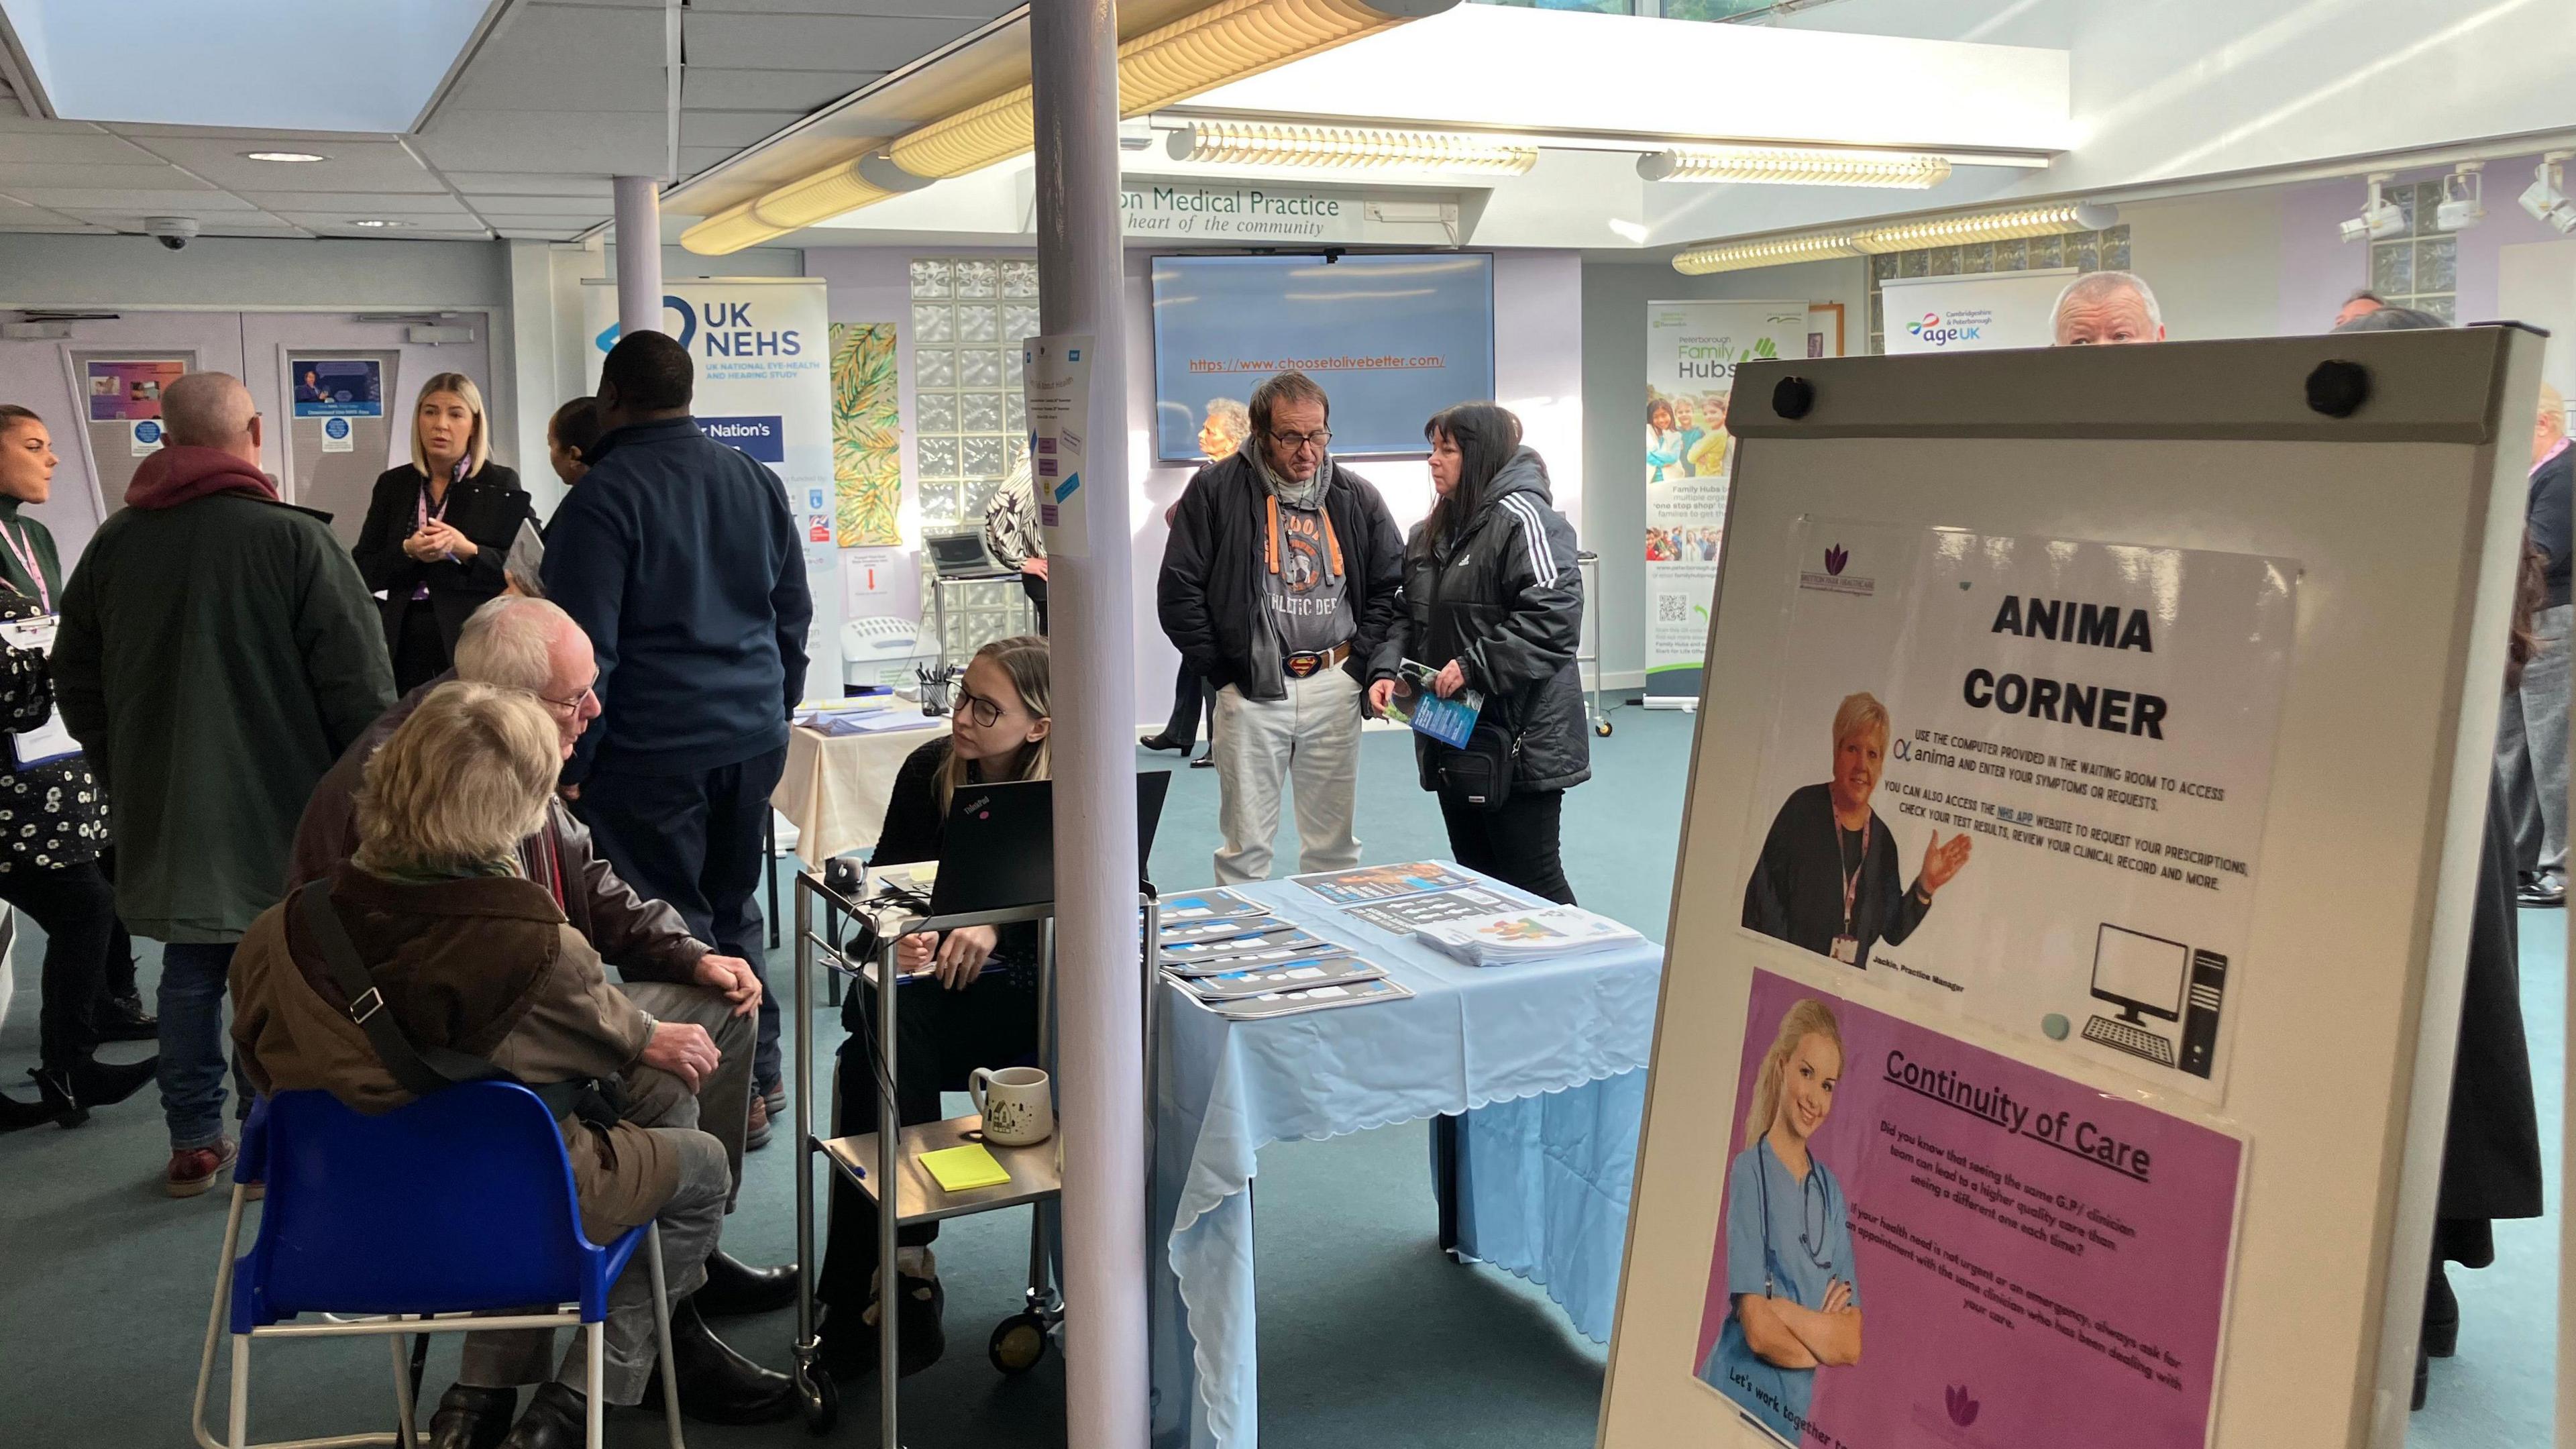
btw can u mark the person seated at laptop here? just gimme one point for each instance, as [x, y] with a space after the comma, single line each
[976, 1004]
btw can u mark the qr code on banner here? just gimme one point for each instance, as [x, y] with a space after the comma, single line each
[1672, 608]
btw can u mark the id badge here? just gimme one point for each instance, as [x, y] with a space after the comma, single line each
[1847, 950]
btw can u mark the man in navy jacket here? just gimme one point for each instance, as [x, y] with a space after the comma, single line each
[678, 556]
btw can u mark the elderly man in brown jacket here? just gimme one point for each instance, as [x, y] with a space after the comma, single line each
[470, 955]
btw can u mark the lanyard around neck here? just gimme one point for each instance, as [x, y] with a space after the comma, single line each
[25, 554]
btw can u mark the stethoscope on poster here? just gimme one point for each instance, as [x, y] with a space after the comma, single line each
[1815, 1187]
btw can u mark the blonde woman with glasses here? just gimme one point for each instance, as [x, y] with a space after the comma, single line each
[439, 528]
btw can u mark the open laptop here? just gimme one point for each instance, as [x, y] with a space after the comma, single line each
[961, 554]
[999, 850]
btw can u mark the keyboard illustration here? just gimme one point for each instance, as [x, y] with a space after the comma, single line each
[2137, 1041]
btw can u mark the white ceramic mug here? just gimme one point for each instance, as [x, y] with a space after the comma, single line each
[1017, 1107]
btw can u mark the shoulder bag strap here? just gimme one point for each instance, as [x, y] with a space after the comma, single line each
[420, 1073]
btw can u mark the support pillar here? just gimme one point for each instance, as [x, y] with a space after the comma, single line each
[639, 254]
[1073, 46]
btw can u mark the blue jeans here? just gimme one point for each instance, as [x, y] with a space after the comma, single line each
[193, 983]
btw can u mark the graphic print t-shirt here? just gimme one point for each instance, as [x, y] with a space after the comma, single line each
[1310, 603]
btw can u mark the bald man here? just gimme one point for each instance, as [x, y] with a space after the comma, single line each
[2531, 737]
[2101, 308]
[217, 652]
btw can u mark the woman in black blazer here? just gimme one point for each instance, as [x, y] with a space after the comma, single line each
[439, 529]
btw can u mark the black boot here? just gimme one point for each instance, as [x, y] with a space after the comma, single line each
[2441, 1316]
[52, 1104]
[94, 1083]
[556, 1419]
[718, 1385]
[734, 1289]
[122, 1018]
[472, 1418]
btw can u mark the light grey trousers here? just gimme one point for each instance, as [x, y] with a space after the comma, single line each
[2531, 749]
[1311, 740]
[706, 1132]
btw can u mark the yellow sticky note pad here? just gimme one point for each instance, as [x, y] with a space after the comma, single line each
[963, 1169]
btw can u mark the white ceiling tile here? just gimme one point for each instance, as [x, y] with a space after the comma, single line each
[222, 224]
[772, 42]
[14, 175]
[630, 143]
[70, 143]
[979, 9]
[347, 165]
[529, 183]
[551, 58]
[503, 205]
[274, 138]
[337, 222]
[694, 159]
[733, 128]
[357, 203]
[15, 124]
[567, 225]
[117, 198]
[707, 88]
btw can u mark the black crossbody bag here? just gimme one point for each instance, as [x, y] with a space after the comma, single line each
[434, 1069]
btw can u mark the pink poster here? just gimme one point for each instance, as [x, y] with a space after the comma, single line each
[1926, 1243]
[130, 391]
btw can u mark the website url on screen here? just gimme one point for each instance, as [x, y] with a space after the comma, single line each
[1319, 364]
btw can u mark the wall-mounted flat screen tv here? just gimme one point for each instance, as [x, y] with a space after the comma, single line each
[1392, 339]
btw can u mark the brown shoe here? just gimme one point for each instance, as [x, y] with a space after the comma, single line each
[194, 1169]
[756, 1134]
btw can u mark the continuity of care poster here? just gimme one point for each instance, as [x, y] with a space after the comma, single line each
[1927, 1243]
[2025, 780]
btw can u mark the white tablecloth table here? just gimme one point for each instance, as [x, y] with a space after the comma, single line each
[835, 787]
[1544, 1060]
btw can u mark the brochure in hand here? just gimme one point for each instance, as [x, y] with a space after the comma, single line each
[1297, 973]
[1412, 913]
[1554, 933]
[1213, 957]
[1210, 905]
[1384, 882]
[1318, 998]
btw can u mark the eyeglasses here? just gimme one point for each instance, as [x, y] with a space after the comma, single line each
[984, 712]
[1296, 442]
[574, 704]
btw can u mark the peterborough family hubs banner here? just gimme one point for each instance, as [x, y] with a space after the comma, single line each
[1925, 1243]
[1691, 352]
[2025, 779]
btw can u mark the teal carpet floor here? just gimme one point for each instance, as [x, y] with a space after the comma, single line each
[1369, 1336]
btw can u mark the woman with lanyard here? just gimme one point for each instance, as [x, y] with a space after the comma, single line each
[53, 816]
[1792, 1295]
[439, 529]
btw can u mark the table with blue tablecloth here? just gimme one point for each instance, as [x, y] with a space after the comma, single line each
[1545, 1059]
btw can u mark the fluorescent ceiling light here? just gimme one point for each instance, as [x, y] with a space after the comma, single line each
[282, 156]
[1906, 236]
[287, 65]
[1259, 143]
[1794, 166]
[1228, 41]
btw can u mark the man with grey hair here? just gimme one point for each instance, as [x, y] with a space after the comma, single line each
[534, 646]
[1283, 573]
[217, 652]
[2098, 308]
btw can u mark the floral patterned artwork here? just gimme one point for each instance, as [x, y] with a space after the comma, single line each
[867, 436]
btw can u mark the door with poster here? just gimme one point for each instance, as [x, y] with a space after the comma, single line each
[338, 392]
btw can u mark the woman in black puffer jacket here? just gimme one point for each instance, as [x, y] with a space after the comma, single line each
[1493, 601]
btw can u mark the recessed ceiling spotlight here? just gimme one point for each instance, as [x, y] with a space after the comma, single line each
[378, 225]
[284, 156]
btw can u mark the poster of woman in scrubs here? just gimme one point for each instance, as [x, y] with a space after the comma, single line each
[1793, 1296]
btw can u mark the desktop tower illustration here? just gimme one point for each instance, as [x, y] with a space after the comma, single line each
[2148, 976]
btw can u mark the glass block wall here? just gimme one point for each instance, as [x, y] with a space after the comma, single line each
[969, 315]
[2086, 251]
[2418, 267]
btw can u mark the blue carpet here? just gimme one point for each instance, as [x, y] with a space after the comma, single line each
[1368, 1334]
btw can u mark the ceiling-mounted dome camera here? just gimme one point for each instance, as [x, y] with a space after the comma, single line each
[173, 232]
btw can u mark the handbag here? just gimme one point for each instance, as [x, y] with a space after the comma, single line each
[1478, 773]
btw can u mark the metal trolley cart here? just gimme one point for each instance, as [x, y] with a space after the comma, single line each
[1587, 662]
[893, 1153]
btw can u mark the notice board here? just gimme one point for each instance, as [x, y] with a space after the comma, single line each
[2056, 1039]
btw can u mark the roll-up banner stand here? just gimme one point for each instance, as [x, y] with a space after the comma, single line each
[1692, 349]
[1975, 313]
[762, 348]
[2075, 896]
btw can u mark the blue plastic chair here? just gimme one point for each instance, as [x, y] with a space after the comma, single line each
[370, 1222]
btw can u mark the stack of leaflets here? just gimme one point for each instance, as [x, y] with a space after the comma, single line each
[1408, 914]
[1297, 973]
[1370, 883]
[1319, 998]
[1206, 958]
[1205, 905]
[1241, 962]
[1550, 933]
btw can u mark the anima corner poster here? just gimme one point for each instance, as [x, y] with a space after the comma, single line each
[2025, 779]
[1926, 1244]
[1692, 349]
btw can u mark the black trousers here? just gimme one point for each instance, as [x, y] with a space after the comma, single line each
[940, 1037]
[1516, 844]
[1191, 698]
[420, 650]
[1036, 589]
[76, 907]
[694, 840]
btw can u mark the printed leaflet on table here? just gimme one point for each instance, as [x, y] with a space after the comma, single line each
[1383, 882]
[1555, 933]
[1197, 957]
[1406, 915]
[1321, 998]
[2025, 779]
[2034, 1261]
[1297, 973]
[1200, 905]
